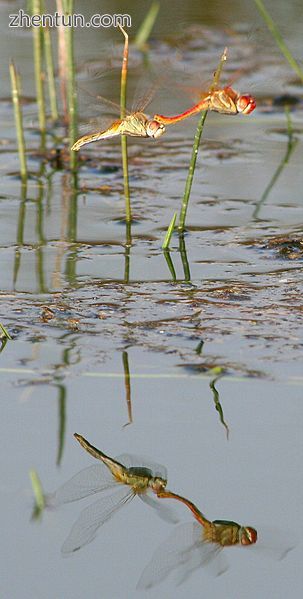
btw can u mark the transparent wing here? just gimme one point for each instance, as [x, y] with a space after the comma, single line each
[170, 555]
[93, 517]
[148, 85]
[93, 125]
[143, 98]
[274, 543]
[202, 555]
[164, 512]
[131, 461]
[184, 549]
[87, 482]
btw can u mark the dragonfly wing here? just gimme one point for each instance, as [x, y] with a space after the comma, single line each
[184, 550]
[169, 556]
[149, 84]
[274, 543]
[137, 461]
[87, 482]
[200, 555]
[93, 517]
[164, 512]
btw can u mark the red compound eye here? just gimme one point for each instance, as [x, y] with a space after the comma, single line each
[246, 104]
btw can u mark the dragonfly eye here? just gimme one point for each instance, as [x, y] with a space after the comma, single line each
[249, 535]
[155, 129]
[159, 483]
[246, 104]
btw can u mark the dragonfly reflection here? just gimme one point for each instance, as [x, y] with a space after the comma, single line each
[194, 545]
[126, 475]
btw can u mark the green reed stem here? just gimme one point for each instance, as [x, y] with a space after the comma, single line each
[71, 84]
[123, 93]
[4, 333]
[50, 73]
[38, 61]
[169, 232]
[18, 120]
[37, 489]
[191, 172]
[147, 25]
[279, 39]
[196, 144]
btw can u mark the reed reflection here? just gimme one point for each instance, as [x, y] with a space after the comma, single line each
[126, 476]
[194, 545]
[127, 388]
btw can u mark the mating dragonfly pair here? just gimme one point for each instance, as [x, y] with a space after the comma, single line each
[130, 476]
[137, 124]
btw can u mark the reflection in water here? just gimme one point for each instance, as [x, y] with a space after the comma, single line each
[184, 260]
[217, 401]
[183, 254]
[71, 193]
[20, 232]
[133, 475]
[41, 239]
[127, 388]
[68, 231]
[39, 504]
[170, 265]
[62, 421]
[4, 337]
[194, 545]
[291, 145]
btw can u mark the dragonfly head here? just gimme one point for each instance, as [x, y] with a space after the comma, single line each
[158, 483]
[246, 104]
[155, 129]
[248, 535]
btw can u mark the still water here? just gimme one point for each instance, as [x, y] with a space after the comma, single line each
[193, 359]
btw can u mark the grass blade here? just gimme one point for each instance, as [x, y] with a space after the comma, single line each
[50, 73]
[37, 489]
[169, 232]
[68, 7]
[191, 172]
[38, 61]
[279, 39]
[18, 120]
[196, 144]
[4, 333]
[147, 26]
[123, 93]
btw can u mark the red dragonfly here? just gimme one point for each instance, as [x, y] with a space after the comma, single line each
[135, 124]
[223, 100]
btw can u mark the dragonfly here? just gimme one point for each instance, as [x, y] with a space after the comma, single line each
[193, 545]
[224, 100]
[134, 124]
[126, 476]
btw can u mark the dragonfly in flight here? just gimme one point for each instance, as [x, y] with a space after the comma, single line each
[125, 477]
